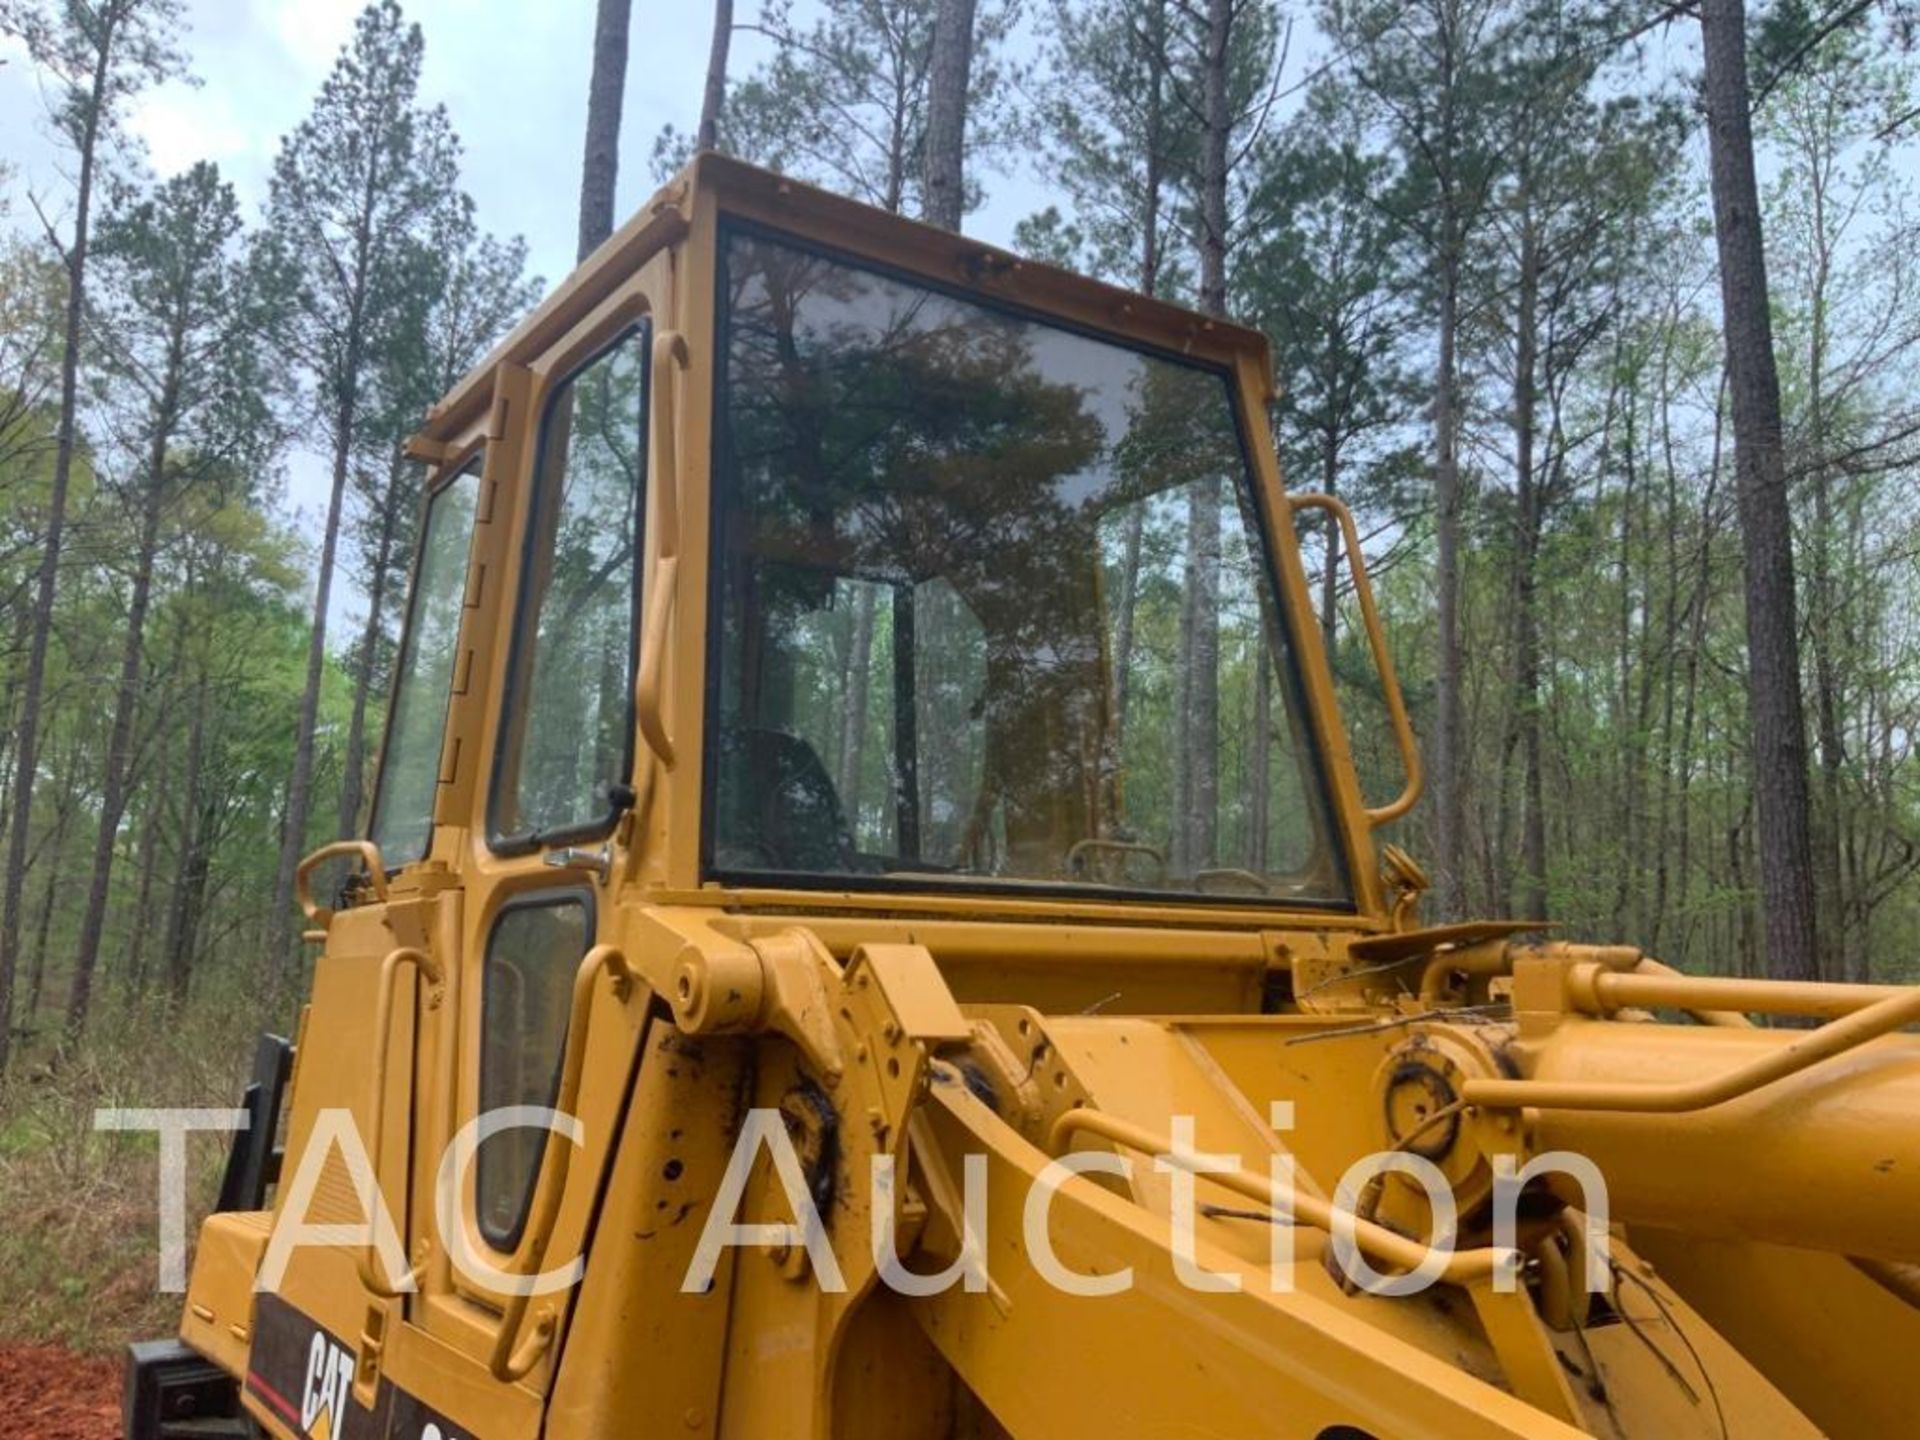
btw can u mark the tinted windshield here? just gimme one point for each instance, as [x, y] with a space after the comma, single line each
[993, 606]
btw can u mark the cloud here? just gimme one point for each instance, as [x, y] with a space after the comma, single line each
[181, 126]
[311, 32]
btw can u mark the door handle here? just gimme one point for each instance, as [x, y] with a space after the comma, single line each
[512, 1362]
[599, 862]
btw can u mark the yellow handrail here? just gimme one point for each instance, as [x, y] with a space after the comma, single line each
[670, 357]
[512, 1362]
[429, 968]
[1382, 657]
[1463, 1267]
[1814, 1047]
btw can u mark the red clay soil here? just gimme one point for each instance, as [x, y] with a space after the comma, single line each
[52, 1394]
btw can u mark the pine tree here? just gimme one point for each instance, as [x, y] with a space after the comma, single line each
[97, 56]
[360, 191]
[178, 339]
[480, 293]
[1776, 716]
[713, 98]
[1111, 111]
[606, 105]
[1322, 274]
[949, 84]
[846, 100]
[1430, 70]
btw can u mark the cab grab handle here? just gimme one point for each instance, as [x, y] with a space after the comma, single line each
[1402, 723]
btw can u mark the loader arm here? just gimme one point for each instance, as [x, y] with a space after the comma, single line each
[1160, 1358]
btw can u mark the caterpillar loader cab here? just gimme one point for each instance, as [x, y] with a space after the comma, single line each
[870, 927]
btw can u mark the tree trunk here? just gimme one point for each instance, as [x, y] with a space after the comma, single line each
[1149, 280]
[190, 874]
[27, 739]
[1448, 801]
[1448, 771]
[49, 897]
[1125, 622]
[1330, 568]
[18, 639]
[853, 720]
[1180, 789]
[1202, 689]
[1775, 719]
[56, 850]
[606, 102]
[1526, 621]
[1154, 34]
[113, 785]
[1825, 622]
[950, 75]
[293, 839]
[1203, 677]
[142, 933]
[707, 137]
[1259, 792]
[1216, 122]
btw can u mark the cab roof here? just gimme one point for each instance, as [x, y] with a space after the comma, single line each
[733, 187]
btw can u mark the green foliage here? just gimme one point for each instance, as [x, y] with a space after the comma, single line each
[1499, 147]
[178, 326]
[1320, 272]
[364, 193]
[207, 348]
[482, 290]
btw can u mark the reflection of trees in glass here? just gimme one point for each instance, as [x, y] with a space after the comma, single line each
[403, 809]
[528, 989]
[949, 667]
[570, 719]
[1026, 499]
[1201, 674]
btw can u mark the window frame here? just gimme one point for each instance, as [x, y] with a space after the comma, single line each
[544, 898]
[1290, 681]
[471, 462]
[527, 842]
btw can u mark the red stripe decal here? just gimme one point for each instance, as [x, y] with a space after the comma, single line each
[274, 1398]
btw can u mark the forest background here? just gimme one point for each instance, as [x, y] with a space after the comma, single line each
[1634, 450]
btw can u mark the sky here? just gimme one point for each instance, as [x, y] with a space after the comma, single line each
[511, 73]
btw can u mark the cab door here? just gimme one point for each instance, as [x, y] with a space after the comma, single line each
[544, 1025]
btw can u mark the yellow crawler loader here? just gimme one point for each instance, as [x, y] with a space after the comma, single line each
[870, 927]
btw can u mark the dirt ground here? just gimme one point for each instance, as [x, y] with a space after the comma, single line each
[51, 1394]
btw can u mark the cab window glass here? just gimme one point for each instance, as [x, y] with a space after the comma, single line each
[992, 607]
[402, 823]
[568, 737]
[527, 990]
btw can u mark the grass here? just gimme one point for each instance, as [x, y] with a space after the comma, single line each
[79, 1208]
